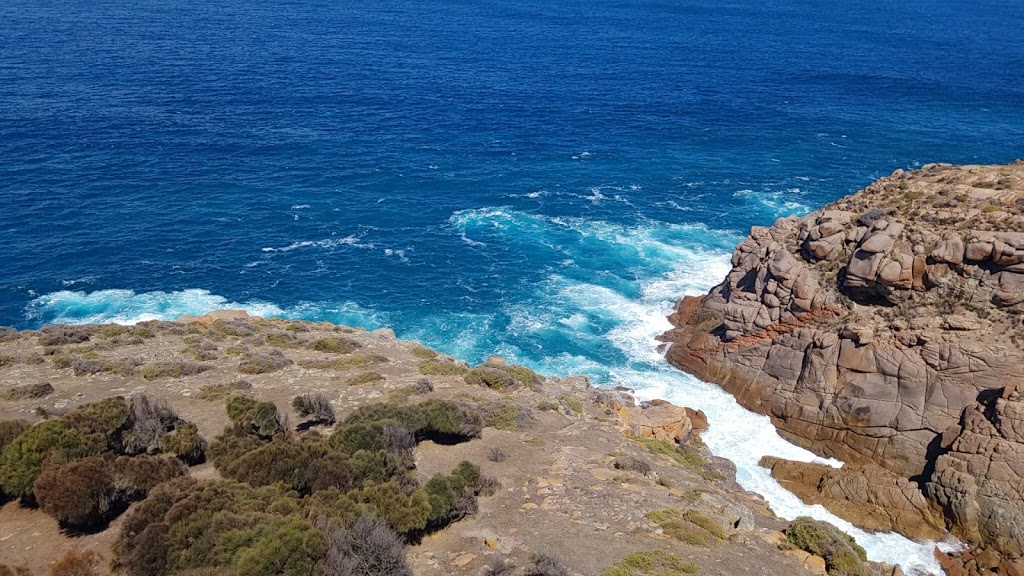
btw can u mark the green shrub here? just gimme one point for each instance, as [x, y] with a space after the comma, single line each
[288, 547]
[252, 417]
[23, 458]
[218, 392]
[489, 377]
[282, 340]
[651, 563]
[442, 368]
[27, 391]
[508, 416]
[843, 556]
[423, 353]
[335, 345]
[438, 420]
[186, 443]
[688, 526]
[108, 416]
[681, 454]
[279, 461]
[572, 404]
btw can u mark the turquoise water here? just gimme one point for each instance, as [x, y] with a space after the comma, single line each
[532, 180]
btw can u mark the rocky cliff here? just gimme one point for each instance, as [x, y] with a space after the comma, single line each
[886, 329]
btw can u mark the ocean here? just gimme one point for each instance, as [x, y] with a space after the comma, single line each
[534, 180]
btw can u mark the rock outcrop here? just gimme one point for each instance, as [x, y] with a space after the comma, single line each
[886, 329]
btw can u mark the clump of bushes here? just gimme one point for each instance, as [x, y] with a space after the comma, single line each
[651, 563]
[172, 369]
[110, 427]
[368, 547]
[60, 335]
[688, 526]
[843, 556]
[572, 404]
[315, 407]
[28, 391]
[86, 493]
[442, 368]
[282, 340]
[262, 362]
[335, 345]
[499, 377]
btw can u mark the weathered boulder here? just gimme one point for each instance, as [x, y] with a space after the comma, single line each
[657, 419]
[868, 496]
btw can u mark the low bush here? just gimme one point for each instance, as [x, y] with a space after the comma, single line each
[345, 362]
[262, 362]
[489, 377]
[651, 563]
[503, 377]
[335, 345]
[60, 335]
[218, 392]
[497, 455]
[544, 564]
[186, 443]
[6, 570]
[282, 340]
[843, 556]
[256, 418]
[135, 476]
[572, 404]
[423, 353]
[27, 391]
[438, 420]
[364, 378]
[368, 548]
[11, 429]
[148, 422]
[172, 369]
[688, 526]
[442, 368]
[500, 567]
[508, 416]
[681, 454]
[76, 563]
[423, 386]
[315, 407]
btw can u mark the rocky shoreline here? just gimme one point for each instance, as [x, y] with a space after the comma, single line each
[562, 478]
[885, 330]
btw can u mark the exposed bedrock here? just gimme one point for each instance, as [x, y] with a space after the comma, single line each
[885, 329]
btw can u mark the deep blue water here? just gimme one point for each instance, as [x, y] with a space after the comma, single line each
[530, 178]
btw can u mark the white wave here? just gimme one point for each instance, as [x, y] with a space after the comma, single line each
[326, 243]
[779, 202]
[300, 206]
[735, 433]
[130, 307]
